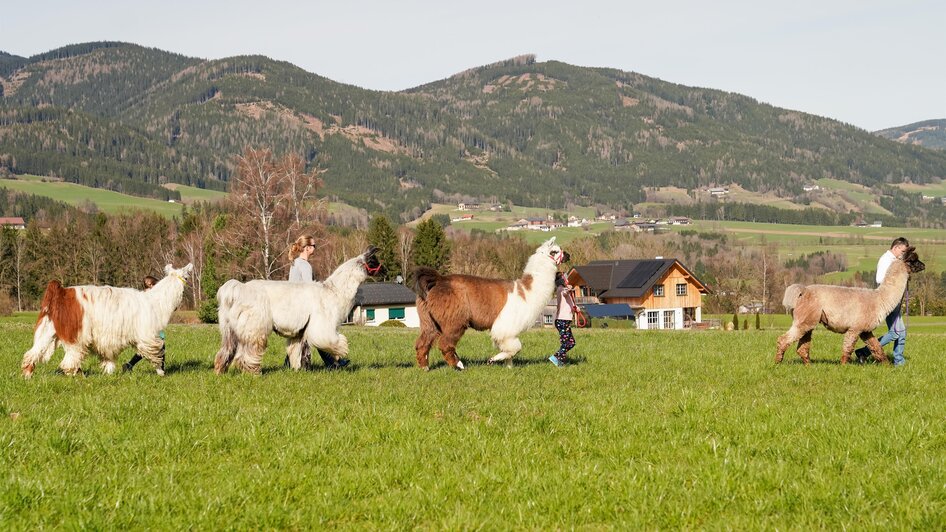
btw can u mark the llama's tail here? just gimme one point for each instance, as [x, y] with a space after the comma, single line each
[791, 296]
[226, 297]
[44, 334]
[424, 280]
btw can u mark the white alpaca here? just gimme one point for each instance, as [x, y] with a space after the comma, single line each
[449, 304]
[106, 320]
[308, 311]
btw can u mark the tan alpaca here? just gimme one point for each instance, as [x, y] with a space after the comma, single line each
[853, 312]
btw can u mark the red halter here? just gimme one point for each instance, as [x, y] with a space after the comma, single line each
[372, 271]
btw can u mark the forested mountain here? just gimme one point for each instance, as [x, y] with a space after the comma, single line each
[928, 133]
[534, 133]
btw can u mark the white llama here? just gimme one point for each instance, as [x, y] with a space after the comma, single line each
[306, 311]
[106, 320]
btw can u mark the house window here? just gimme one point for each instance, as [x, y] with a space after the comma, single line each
[370, 314]
[652, 318]
[548, 319]
[681, 289]
[396, 313]
[669, 320]
[659, 290]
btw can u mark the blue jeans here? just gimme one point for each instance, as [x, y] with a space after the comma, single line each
[896, 333]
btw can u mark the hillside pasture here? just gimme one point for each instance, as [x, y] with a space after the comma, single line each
[936, 188]
[648, 429]
[106, 201]
[191, 194]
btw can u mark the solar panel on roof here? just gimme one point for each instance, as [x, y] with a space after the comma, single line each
[641, 274]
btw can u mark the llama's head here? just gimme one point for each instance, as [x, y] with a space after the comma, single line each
[551, 250]
[182, 274]
[913, 262]
[370, 260]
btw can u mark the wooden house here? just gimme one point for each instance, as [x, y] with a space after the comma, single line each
[663, 293]
[376, 303]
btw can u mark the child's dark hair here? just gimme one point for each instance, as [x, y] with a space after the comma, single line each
[559, 279]
[150, 282]
[898, 241]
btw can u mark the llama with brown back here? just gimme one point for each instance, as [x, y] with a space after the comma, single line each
[449, 304]
[853, 312]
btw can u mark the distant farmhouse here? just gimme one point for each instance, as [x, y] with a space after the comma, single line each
[718, 191]
[376, 303]
[13, 222]
[659, 293]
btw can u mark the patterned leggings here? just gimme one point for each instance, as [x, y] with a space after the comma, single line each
[565, 337]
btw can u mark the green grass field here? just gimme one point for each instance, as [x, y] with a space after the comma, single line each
[648, 429]
[191, 194]
[106, 200]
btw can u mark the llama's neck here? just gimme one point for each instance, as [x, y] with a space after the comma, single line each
[165, 297]
[346, 279]
[542, 270]
[894, 285]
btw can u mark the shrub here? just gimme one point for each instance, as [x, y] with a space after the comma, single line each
[392, 323]
[207, 312]
[735, 321]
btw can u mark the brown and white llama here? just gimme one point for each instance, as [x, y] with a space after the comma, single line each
[853, 312]
[299, 311]
[449, 304]
[106, 320]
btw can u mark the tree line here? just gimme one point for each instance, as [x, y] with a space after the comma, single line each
[276, 198]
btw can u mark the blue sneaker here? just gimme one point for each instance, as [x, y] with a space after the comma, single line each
[554, 359]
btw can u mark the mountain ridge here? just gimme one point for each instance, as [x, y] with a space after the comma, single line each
[927, 133]
[124, 116]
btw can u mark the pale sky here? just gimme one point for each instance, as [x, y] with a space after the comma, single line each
[871, 63]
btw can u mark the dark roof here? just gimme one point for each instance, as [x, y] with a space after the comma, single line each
[606, 311]
[627, 278]
[383, 294]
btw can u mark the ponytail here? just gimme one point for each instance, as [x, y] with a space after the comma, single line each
[295, 249]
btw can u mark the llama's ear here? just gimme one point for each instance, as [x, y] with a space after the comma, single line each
[167, 269]
[188, 269]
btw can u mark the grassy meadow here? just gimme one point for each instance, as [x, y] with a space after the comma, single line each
[107, 201]
[647, 429]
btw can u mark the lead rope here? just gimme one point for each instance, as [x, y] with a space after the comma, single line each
[580, 319]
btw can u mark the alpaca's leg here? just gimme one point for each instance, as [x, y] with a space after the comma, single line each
[804, 347]
[72, 363]
[790, 336]
[250, 355]
[874, 345]
[108, 367]
[847, 347]
[330, 342]
[448, 346]
[422, 346]
[44, 344]
[508, 348]
[294, 348]
[228, 349]
[153, 351]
